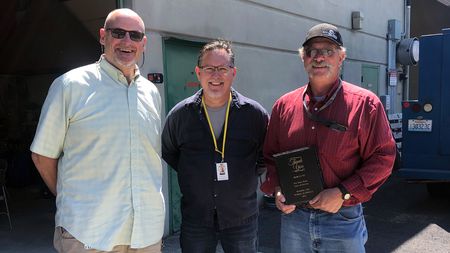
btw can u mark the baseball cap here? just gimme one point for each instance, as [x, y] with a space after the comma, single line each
[324, 30]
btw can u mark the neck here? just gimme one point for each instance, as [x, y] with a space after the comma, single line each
[129, 74]
[319, 89]
[216, 102]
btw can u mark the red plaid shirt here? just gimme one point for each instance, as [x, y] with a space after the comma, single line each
[360, 158]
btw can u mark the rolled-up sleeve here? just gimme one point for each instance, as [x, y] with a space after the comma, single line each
[377, 153]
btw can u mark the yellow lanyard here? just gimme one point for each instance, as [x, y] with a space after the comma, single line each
[225, 127]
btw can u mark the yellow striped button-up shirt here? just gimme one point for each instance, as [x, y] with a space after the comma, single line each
[106, 135]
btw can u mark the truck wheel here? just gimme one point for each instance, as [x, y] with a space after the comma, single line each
[438, 189]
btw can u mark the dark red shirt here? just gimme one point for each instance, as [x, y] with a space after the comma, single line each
[360, 158]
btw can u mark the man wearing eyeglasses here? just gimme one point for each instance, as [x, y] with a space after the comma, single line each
[348, 126]
[214, 140]
[97, 147]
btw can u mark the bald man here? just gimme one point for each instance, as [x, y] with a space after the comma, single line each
[97, 147]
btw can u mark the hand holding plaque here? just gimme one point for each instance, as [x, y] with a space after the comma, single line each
[300, 174]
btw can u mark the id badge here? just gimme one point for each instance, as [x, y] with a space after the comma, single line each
[222, 171]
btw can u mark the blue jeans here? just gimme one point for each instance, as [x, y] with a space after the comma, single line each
[306, 230]
[196, 238]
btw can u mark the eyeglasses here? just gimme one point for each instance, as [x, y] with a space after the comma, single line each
[221, 69]
[326, 52]
[119, 33]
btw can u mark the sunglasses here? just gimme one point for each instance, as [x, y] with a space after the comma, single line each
[118, 33]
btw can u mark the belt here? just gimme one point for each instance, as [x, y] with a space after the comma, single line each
[307, 207]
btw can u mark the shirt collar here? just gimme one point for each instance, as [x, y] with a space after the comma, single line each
[310, 97]
[237, 100]
[114, 72]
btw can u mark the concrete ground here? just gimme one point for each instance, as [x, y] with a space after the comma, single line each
[32, 221]
[401, 218]
[33, 224]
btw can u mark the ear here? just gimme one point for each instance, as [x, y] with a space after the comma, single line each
[197, 72]
[102, 34]
[144, 41]
[234, 71]
[342, 57]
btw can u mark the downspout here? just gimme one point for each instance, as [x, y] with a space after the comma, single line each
[407, 35]
[393, 36]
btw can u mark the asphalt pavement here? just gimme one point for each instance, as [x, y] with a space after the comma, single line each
[401, 218]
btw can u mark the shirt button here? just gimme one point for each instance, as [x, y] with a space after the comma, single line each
[313, 127]
[315, 109]
[215, 195]
[215, 180]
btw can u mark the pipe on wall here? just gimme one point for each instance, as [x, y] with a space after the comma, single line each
[407, 35]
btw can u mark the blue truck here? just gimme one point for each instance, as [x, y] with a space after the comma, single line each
[426, 121]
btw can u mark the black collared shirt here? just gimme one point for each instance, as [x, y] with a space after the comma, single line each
[187, 146]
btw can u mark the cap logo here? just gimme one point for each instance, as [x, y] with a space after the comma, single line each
[330, 33]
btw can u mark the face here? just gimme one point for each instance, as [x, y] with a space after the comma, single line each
[322, 60]
[123, 53]
[216, 82]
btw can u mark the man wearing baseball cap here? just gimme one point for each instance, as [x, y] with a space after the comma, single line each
[348, 126]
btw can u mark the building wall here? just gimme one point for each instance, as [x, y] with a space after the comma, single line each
[266, 36]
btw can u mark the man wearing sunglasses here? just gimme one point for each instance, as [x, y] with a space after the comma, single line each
[214, 140]
[348, 126]
[97, 147]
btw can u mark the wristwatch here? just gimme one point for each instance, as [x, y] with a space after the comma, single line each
[345, 194]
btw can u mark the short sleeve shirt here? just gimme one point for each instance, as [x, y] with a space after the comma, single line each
[105, 134]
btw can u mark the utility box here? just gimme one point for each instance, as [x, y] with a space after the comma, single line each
[394, 29]
[426, 121]
[357, 20]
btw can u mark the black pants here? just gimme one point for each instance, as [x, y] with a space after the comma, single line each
[197, 238]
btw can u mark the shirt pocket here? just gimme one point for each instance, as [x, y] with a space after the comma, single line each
[241, 143]
[195, 141]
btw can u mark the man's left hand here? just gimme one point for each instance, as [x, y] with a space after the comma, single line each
[329, 200]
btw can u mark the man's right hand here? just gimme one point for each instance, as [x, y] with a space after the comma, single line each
[279, 202]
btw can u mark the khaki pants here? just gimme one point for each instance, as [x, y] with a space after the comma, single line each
[64, 242]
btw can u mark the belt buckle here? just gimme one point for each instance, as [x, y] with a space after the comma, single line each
[308, 208]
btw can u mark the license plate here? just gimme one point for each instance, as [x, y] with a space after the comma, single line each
[419, 125]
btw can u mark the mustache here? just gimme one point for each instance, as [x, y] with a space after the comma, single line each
[320, 64]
